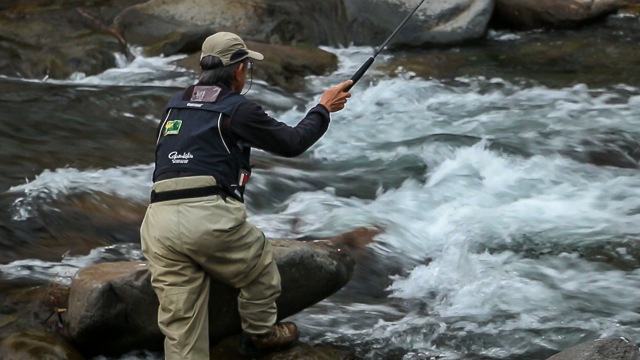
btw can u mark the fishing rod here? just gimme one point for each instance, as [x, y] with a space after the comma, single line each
[372, 58]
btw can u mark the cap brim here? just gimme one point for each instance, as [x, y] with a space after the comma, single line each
[254, 55]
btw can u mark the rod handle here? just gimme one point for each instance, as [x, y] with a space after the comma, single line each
[363, 68]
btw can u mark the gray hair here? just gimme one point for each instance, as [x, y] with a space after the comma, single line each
[214, 73]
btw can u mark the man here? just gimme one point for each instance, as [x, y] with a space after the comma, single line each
[195, 228]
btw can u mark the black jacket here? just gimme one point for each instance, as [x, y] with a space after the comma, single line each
[210, 130]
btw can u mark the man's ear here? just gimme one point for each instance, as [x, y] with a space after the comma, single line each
[238, 78]
[240, 68]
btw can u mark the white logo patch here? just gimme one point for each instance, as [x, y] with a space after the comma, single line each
[180, 158]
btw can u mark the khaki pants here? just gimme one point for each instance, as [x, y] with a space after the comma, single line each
[189, 241]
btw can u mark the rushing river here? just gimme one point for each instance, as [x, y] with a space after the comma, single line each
[509, 206]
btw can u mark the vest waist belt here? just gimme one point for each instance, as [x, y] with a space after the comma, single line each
[187, 193]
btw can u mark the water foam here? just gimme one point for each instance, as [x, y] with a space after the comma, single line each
[132, 182]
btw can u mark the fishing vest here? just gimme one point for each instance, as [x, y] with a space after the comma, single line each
[190, 140]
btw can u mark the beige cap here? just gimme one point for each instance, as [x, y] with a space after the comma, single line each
[229, 47]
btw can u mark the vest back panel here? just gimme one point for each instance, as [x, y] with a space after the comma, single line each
[190, 140]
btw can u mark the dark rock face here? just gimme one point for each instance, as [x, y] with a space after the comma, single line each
[531, 14]
[616, 348]
[40, 39]
[116, 301]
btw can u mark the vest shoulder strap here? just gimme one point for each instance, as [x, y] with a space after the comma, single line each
[226, 105]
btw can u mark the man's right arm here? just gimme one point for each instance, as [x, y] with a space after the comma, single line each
[257, 129]
[252, 124]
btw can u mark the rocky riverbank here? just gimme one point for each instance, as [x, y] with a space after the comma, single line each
[54, 39]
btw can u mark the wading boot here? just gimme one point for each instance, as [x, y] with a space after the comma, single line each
[282, 336]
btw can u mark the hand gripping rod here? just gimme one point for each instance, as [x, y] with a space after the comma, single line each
[372, 58]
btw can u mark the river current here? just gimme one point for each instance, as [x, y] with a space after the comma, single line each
[509, 207]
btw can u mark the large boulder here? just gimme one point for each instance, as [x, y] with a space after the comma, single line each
[531, 14]
[170, 26]
[115, 301]
[186, 23]
[614, 348]
[435, 22]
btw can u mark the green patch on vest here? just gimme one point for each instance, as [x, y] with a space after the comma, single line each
[172, 127]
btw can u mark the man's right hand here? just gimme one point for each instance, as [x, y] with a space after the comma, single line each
[335, 98]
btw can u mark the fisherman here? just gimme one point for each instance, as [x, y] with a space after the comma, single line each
[196, 227]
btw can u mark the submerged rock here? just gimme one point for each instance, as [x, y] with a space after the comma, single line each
[617, 348]
[116, 299]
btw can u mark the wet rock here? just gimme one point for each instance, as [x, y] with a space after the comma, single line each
[164, 27]
[371, 277]
[357, 238]
[6, 320]
[40, 39]
[531, 14]
[226, 350]
[34, 306]
[181, 27]
[31, 323]
[32, 344]
[74, 37]
[617, 348]
[279, 22]
[596, 57]
[435, 22]
[99, 220]
[117, 298]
